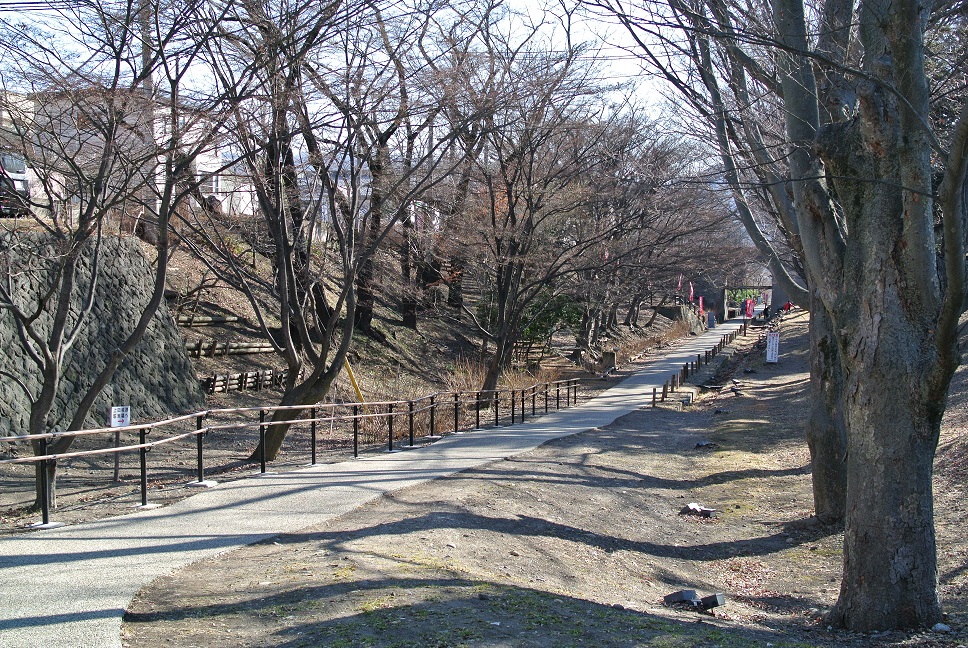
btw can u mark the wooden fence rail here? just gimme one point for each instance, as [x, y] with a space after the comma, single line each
[215, 348]
[192, 319]
[262, 379]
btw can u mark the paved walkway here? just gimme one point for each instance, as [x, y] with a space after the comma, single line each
[70, 586]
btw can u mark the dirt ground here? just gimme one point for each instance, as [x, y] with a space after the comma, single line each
[576, 543]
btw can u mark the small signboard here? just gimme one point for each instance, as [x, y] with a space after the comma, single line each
[773, 347]
[121, 416]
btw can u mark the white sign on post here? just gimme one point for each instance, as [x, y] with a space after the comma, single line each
[121, 416]
[773, 347]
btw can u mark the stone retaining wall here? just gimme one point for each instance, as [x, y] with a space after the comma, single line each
[157, 379]
[685, 313]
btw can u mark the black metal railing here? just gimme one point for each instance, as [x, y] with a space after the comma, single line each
[370, 424]
[356, 425]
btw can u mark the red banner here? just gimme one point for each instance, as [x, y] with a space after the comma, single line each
[749, 308]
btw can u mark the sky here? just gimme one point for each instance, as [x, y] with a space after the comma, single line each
[615, 49]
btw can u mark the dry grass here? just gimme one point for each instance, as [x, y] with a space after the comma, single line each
[632, 344]
[467, 375]
[520, 379]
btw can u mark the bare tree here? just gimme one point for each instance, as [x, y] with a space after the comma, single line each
[560, 192]
[337, 132]
[857, 157]
[525, 217]
[81, 118]
[673, 224]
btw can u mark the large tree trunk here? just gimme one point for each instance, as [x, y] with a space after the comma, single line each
[365, 277]
[278, 426]
[408, 287]
[51, 371]
[890, 568]
[310, 392]
[595, 331]
[498, 363]
[825, 430]
[457, 263]
[40, 409]
[611, 321]
[365, 294]
[895, 386]
[455, 284]
[313, 389]
[632, 316]
[45, 470]
[873, 262]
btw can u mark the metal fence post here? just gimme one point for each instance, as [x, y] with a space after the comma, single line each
[143, 460]
[356, 431]
[557, 395]
[262, 441]
[390, 427]
[410, 419]
[514, 402]
[312, 435]
[497, 407]
[199, 420]
[433, 416]
[44, 486]
[546, 397]
[456, 411]
[477, 412]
